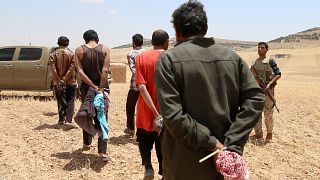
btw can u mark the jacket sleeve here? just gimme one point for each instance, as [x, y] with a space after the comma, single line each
[52, 63]
[251, 103]
[181, 126]
[71, 69]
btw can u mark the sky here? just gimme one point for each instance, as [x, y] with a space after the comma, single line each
[41, 22]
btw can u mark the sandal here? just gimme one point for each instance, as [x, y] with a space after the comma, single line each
[105, 157]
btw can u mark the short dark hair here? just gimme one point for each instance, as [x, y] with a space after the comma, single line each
[190, 18]
[263, 43]
[63, 41]
[90, 35]
[137, 39]
[159, 37]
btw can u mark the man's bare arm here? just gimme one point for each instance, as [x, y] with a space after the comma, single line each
[105, 68]
[147, 99]
[84, 77]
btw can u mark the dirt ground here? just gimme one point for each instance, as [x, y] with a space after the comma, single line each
[34, 147]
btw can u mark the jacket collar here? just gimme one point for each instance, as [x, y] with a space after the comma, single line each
[200, 40]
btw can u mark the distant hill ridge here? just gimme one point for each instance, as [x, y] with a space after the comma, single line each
[312, 34]
[234, 44]
[304, 39]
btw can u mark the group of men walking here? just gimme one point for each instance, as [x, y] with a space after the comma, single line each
[92, 62]
[190, 100]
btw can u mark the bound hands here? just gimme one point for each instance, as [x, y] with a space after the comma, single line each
[158, 123]
[97, 88]
[219, 147]
[62, 84]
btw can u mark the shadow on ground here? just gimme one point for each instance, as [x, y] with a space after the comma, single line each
[50, 114]
[79, 160]
[27, 97]
[64, 127]
[121, 140]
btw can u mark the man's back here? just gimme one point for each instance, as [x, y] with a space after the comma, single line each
[63, 59]
[207, 82]
[146, 62]
[131, 57]
[209, 77]
[145, 65]
[92, 62]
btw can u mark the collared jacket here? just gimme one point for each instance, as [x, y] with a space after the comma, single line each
[62, 64]
[131, 57]
[205, 93]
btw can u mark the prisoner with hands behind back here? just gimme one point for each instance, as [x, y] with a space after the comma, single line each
[207, 96]
[93, 62]
[133, 94]
[147, 107]
[62, 64]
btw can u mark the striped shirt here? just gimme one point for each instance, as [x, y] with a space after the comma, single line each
[131, 57]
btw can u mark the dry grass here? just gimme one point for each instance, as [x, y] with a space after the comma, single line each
[34, 147]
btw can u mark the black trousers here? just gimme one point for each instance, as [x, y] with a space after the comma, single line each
[146, 140]
[65, 99]
[132, 99]
[87, 138]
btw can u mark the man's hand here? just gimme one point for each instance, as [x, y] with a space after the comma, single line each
[158, 123]
[61, 85]
[95, 87]
[220, 147]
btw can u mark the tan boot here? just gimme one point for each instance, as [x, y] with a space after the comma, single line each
[269, 138]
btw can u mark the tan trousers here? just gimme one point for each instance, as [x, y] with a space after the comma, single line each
[268, 116]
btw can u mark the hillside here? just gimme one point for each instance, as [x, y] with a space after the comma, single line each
[312, 34]
[304, 39]
[234, 44]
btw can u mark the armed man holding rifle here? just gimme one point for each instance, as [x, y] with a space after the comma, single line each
[267, 73]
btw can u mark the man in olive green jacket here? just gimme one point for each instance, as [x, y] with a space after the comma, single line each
[207, 96]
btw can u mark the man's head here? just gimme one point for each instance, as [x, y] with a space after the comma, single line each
[63, 41]
[262, 48]
[160, 38]
[190, 19]
[137, 40]
[90, 35]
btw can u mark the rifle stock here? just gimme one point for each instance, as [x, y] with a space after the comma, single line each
[263, 86]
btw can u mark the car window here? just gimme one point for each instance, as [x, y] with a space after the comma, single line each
[6, 54]
[30, 54]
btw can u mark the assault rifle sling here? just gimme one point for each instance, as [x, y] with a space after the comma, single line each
[263, 86]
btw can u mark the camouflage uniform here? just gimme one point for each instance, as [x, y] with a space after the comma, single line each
[267, 69]
[268, 115]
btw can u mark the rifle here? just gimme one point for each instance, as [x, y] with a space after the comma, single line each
[263, 86]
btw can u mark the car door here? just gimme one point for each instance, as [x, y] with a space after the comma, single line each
[6, 67]
[30, 69]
